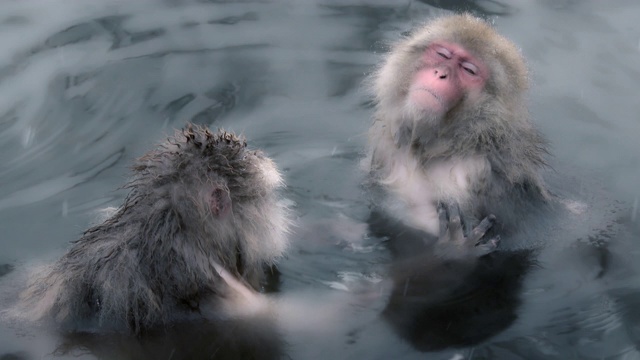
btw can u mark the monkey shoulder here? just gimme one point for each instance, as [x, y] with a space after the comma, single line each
[124, 281]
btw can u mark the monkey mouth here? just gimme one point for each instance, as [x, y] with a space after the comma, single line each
[429, 91]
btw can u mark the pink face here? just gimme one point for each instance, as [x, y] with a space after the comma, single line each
[449, 72]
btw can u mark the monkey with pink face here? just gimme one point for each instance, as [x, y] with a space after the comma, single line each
[451, 127]
[452, 154]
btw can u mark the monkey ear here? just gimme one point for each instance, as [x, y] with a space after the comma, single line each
[220, 202]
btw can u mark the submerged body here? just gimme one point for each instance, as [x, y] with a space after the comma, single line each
[451, 126]
[202, 219]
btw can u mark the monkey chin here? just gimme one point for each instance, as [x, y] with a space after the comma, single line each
[427, 101]
[417, 113]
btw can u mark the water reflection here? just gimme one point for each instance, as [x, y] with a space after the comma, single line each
[439, 302]
[5, 269]
[224, 339]
[86, 86]
[477, 7]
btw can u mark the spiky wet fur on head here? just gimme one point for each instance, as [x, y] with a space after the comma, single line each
[158, 253]
[195, 161]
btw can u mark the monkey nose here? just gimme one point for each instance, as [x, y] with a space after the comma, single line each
[441, 72]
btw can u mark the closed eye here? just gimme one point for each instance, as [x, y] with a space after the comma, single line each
[469, 68]
[443, 52]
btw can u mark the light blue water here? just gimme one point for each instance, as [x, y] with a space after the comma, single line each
[86, 86]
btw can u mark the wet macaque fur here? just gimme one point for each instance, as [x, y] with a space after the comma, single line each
[202, 219]
[451, 126]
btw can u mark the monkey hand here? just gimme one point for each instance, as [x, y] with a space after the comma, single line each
[451, 240]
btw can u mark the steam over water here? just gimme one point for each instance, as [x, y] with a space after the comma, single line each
[86, 86]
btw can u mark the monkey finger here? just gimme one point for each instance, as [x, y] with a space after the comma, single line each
[488, 247]
[455, 224]
[444, 222]
[453, 209]
[478, 232]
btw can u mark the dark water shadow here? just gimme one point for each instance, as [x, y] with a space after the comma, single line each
[223, 339]
[5, 269]
[438, 303]
[477, 7]
[14, 356]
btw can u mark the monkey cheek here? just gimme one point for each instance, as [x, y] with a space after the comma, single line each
[270, 175]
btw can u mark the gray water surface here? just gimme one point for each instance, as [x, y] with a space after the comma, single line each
[86, 86]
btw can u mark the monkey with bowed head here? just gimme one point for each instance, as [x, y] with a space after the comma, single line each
[451, 127]
[201, 221]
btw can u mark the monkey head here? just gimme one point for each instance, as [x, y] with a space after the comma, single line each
[448, 66]
[448, 72]
[214, 186]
